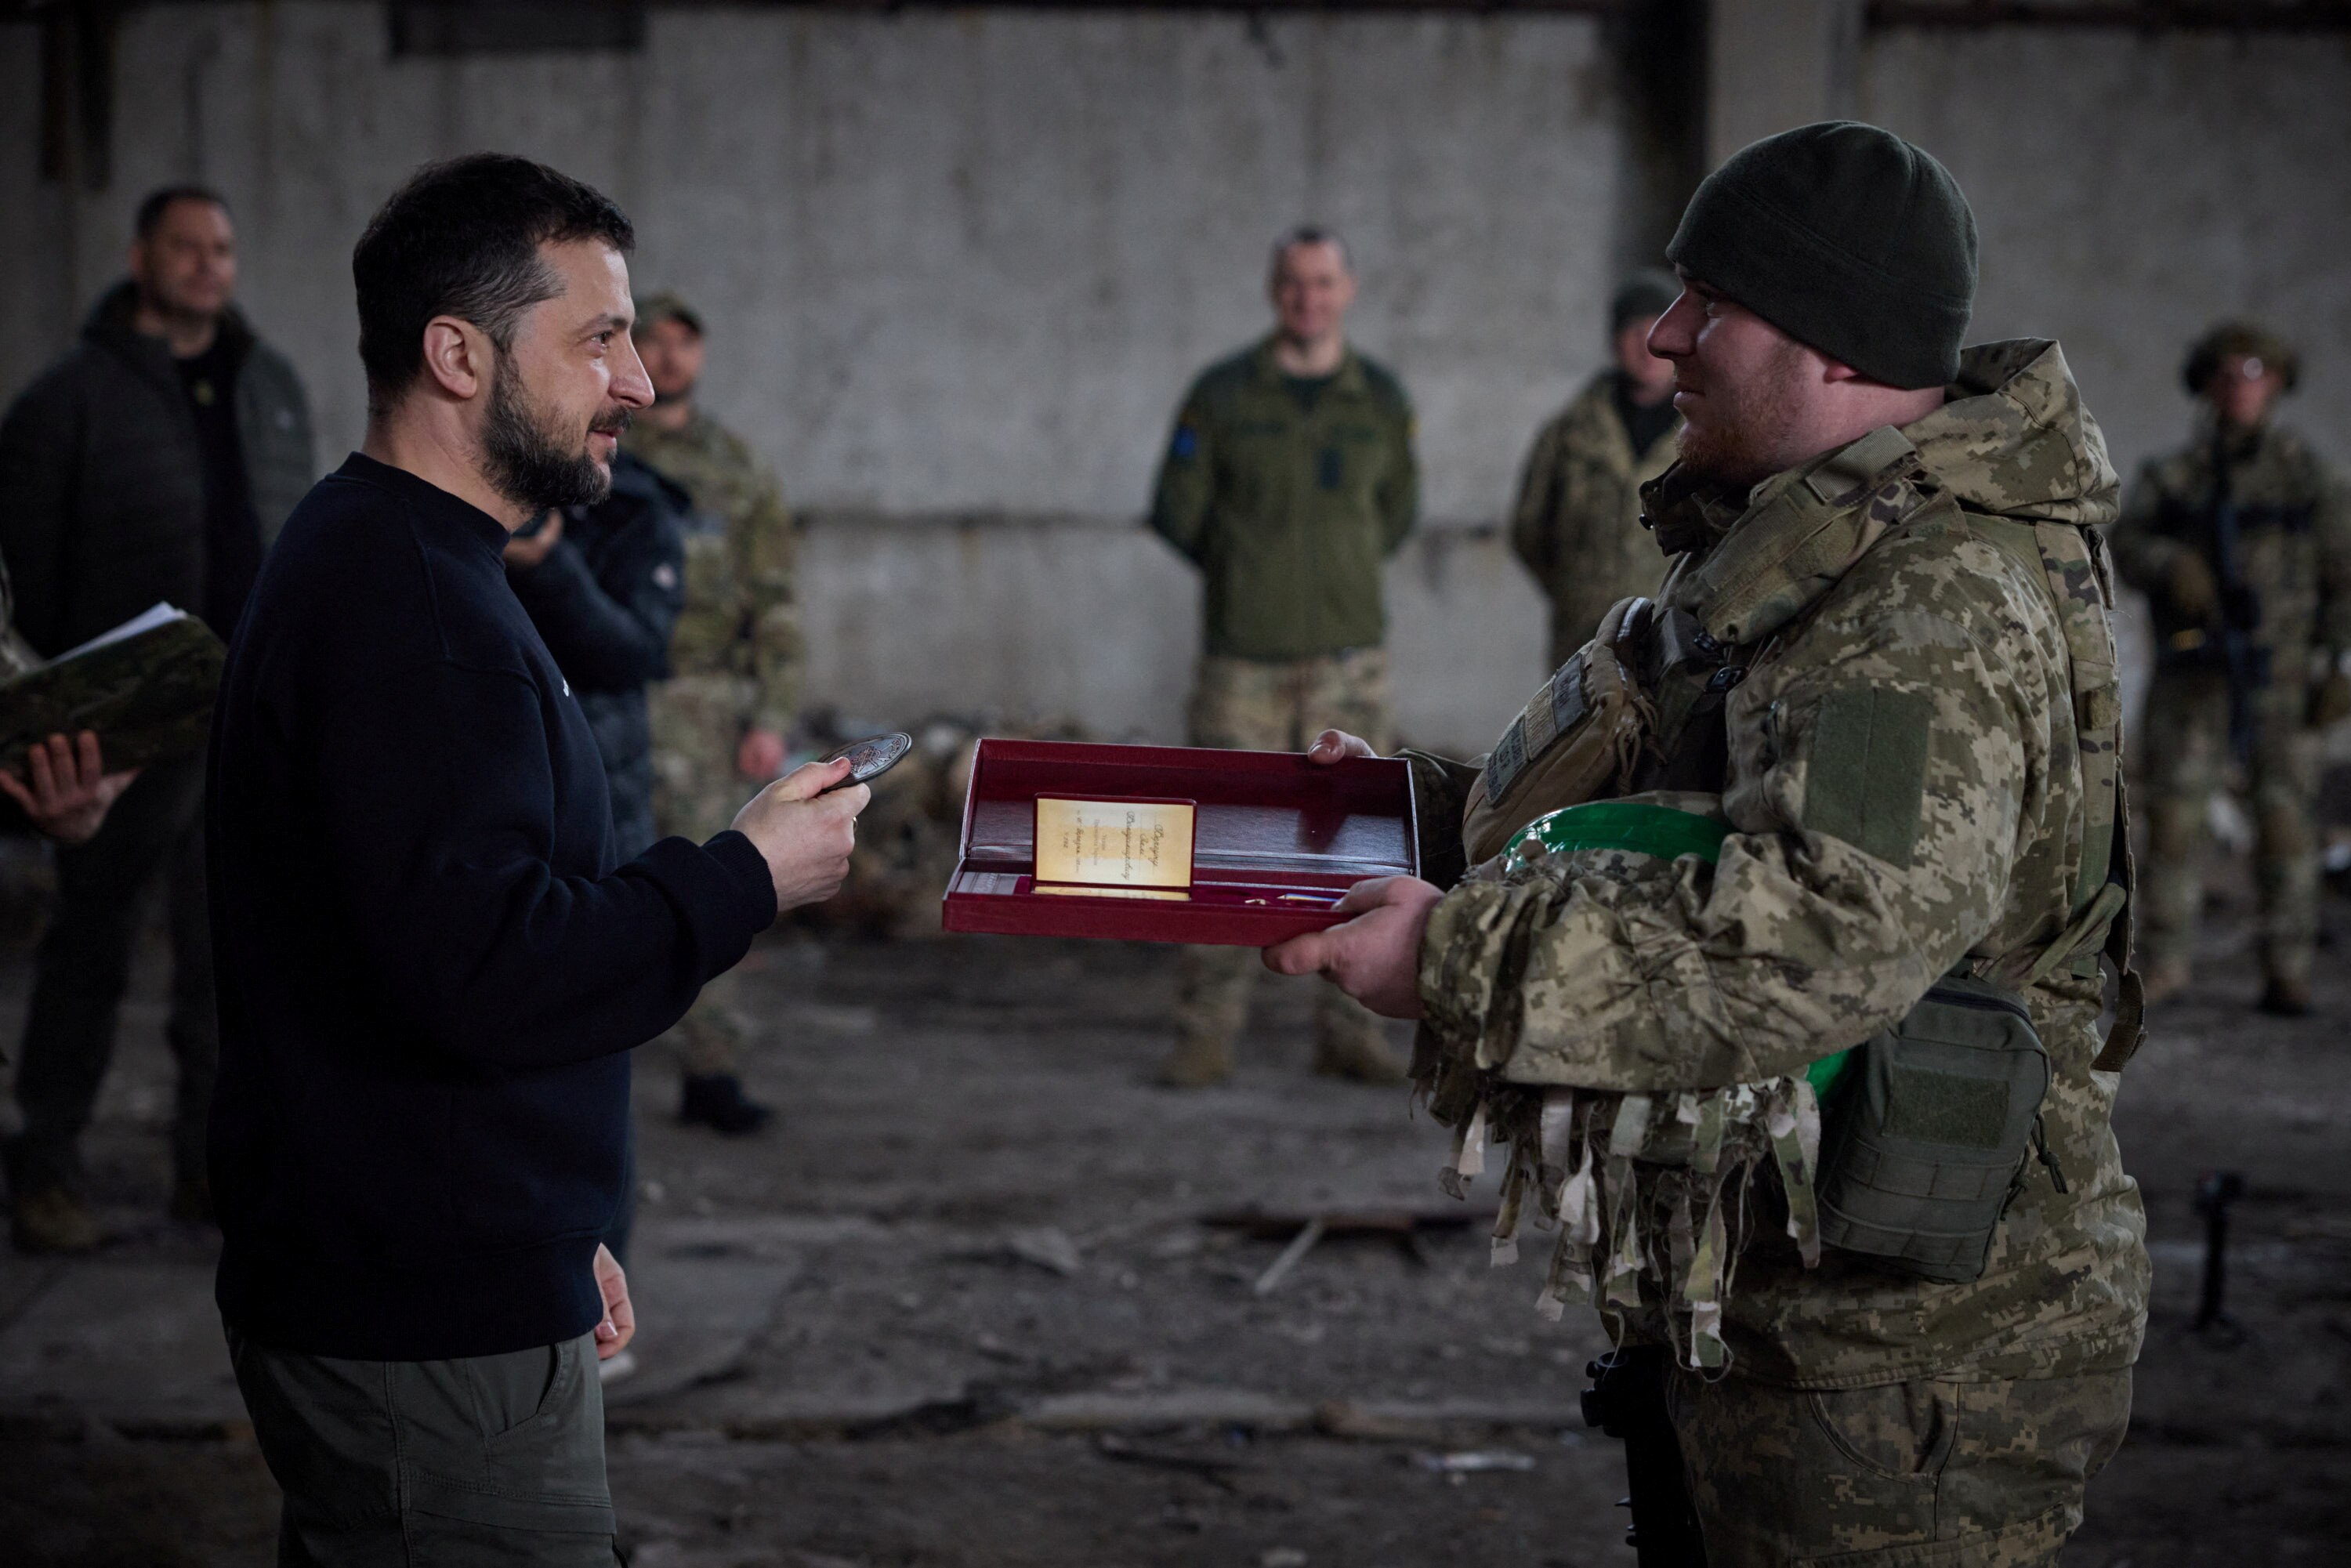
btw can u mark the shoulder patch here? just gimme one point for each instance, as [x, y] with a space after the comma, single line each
[1865, 782]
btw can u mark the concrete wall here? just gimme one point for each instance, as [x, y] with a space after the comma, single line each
[961, 262]
[2131, 188]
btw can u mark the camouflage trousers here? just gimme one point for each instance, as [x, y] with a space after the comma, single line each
[2186, 740]
[697, 725]
[1926, 1474]
[1250, 705]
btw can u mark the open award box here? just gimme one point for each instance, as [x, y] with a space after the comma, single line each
[1161, 843]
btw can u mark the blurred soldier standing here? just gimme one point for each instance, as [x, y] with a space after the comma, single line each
[2241, 542]
[153, 462]
[1289, 482]
[1577, 520]
[719, 722]
[1884, 661]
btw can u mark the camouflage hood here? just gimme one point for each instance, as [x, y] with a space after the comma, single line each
[2014, 441]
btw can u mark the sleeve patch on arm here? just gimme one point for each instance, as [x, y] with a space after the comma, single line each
[1866, 778]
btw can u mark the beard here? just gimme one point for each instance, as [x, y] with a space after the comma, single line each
[529, 459]
[1748, 431]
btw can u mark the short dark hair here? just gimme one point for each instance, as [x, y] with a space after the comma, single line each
[461, 238]
[1310, 233]
[158, 202]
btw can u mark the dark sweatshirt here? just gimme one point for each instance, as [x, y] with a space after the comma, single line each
[430, 969]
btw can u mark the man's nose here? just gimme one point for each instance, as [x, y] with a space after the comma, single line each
[1669, 337]
[630, 385]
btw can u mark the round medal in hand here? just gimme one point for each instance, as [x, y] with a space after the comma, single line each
[869, 758]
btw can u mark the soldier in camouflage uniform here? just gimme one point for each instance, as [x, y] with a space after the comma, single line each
[1577, 520]
[1289, 482]
[719, 723]
[2287, 617]
[1883, 644]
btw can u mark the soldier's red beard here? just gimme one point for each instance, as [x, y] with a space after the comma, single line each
[1744, 429]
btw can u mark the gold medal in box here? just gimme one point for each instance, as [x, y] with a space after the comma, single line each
[1114, 848]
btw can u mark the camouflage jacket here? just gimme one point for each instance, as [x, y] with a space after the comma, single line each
[741, 619]
[1577, 520]
[1906, 794]
[1290, 508]
[2293, 541]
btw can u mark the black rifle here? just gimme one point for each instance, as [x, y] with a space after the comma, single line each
[2240, 614]
[1627, 1400]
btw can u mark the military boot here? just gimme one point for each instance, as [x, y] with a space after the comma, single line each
[1353, 1045]
[716, 1101]
[1199, 1061]
[2285, 998]
[53, 1220]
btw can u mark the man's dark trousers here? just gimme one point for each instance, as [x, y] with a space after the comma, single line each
[398, 1464]
[84, 964]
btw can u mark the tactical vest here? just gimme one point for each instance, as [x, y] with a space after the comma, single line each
[1641, 706]
[1656, 1184]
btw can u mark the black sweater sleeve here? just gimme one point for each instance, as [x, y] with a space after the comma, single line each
[446, 863]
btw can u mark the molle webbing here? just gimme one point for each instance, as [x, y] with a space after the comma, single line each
[2080, 585]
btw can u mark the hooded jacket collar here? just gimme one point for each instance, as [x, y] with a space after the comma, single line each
[109, 327]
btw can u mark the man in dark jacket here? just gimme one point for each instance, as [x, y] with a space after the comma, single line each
[604, 584]
[433, 961]
[153, 462]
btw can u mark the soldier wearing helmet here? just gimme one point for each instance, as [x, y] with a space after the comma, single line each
[2242, 543]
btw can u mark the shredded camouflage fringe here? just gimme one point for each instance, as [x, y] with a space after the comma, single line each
[1648, 1193]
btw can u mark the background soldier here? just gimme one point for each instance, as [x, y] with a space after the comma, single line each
[153, 462]
[2241, 542]
[1577, 520]
[1289, 482]
[1912, 729]
[719, 722]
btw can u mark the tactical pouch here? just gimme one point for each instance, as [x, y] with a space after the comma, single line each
[1928, 1140]
[1576, 740]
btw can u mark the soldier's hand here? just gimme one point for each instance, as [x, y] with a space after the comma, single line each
[805, 835]
[526, 551]
[2194, 590]
[1336, 746]
[64, 790]
[1375, 956]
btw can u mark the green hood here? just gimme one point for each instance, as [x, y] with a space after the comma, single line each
[2014, 440]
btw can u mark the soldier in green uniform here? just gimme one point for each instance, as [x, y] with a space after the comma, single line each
[1881, 668]
[719, 722]
[2241, 542]
[1289, 482]
[1577, 520]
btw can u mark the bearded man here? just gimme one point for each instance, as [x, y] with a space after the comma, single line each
[1880, 676]
[433, 960]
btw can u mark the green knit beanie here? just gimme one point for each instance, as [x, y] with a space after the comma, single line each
[1845, 238]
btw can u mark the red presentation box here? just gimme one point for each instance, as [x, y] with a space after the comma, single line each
[1267, 824]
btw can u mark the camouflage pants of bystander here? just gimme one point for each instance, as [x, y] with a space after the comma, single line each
[1249, 704]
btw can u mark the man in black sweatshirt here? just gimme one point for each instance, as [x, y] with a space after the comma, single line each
[432, 966]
